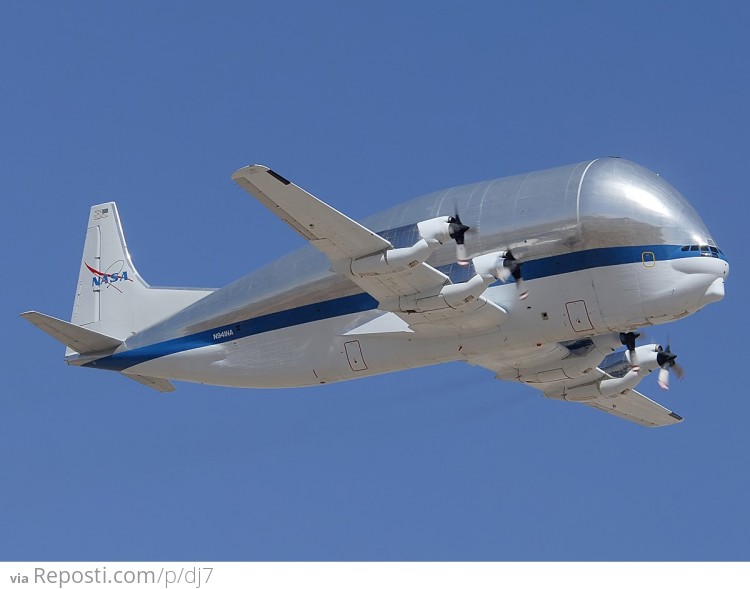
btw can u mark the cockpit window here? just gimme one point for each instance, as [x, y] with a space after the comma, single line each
[703, 248]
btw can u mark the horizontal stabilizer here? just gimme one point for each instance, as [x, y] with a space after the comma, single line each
[160, 384]
[80, 339]
[633, 406]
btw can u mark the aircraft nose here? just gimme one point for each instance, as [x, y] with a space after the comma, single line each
[702, 265]
[715, 292]
[705, 275]
[725, 269]
[719, 268]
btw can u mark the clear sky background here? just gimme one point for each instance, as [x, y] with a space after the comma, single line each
[154, 105]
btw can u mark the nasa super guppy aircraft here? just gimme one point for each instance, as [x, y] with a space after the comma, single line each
[539, 278]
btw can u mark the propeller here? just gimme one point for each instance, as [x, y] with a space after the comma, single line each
[457, 230]
[513, 267]
[666, 360]
[628, 340]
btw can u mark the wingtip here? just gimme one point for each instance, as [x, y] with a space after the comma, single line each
[31, 316]
[244, 171]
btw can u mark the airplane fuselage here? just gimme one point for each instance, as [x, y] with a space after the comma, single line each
[607, 247]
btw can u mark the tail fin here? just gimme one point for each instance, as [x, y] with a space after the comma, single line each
[105, 268]
[111, 297]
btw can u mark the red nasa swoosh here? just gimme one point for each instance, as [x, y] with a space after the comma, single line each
[96, 271]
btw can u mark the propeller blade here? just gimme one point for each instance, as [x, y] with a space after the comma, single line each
[513, 268]
[628, 340]
[666, 360]
[461, 255]
[457, 230]
[634, 361]
[521, 288]
[664, 378]
[503, 274]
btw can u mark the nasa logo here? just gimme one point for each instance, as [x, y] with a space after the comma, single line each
[114, 274]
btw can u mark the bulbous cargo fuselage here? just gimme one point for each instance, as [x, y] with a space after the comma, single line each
[606, 246]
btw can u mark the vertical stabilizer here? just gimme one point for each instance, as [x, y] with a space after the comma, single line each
[108, 283]
[111, 297]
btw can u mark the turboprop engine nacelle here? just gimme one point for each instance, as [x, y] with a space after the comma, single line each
[611, 387]
[501, 265]
[492, 264]
[449, 296]
[433, 233]
[395, 260]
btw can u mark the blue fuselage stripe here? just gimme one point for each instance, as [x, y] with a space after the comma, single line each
[541, 268]
[226, 333]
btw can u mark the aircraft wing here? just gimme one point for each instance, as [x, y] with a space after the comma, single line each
[342, 240]
[635, 407]
[332, 232]
[628, 404]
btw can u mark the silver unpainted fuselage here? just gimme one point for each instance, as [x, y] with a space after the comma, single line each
[607, 246]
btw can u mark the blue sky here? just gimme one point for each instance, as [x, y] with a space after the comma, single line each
[154, 105]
